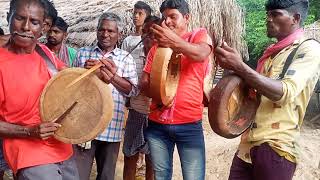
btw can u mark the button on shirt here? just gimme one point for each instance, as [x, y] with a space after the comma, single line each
[279, 123]
[126, 69]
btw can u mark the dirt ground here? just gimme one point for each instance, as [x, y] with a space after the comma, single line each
[220, 151]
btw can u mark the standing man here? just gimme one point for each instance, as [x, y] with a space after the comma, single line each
[134, 141]
[48, 21]
[3, 163]
[56, 42]
[29, 148]
[182, 126]
[269, 149]
[119, 73]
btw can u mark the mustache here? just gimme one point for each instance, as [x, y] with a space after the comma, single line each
[23, 35]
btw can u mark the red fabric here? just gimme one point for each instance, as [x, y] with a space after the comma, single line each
[188, 105]
[276, 48]
[22, 79]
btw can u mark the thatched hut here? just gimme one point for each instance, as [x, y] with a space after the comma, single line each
[223, 17]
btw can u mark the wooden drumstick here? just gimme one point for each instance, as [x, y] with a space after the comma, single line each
[89, 71]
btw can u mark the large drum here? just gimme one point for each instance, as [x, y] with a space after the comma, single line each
[89, 116]
[232, 107]
[165, 75]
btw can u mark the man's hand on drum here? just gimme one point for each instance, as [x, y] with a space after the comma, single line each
[164, 36]
[43, 130]
[108, 70]
[228, 57]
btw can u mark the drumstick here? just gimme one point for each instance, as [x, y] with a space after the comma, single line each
[89, 71]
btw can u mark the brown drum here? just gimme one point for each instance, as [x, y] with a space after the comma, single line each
[92, 112]
[165, 75]
[232, 107]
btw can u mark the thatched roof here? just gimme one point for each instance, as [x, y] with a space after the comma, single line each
[224, 17]
[313, 30]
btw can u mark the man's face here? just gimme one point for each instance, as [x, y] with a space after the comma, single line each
[26, 24]
[139, 15]
[279, 23]
[55, 36]
[47, 25]
[175, 20]
[107, 34]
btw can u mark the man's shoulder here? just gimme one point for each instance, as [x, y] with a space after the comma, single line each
[121, 52]
[4, 55]
[87, 49]
[309, 45]
[71, 49]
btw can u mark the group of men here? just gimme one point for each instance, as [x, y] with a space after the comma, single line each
[267, 151]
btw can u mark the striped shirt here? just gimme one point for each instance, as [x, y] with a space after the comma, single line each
[140, 102]
[126, 69]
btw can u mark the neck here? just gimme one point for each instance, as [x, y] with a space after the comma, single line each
[280, 38]
[19, 50]
[106, 49]
[54, 48]
[182, 32]
[138, 31]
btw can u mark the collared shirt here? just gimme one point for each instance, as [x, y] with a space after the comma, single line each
[279, 123]
[140, 102]
[126, 69]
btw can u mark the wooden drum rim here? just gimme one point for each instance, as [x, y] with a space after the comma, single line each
[106, 109]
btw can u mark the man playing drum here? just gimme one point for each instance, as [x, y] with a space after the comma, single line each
[269, 149]
[28, 146]
[119, 73]
[181, 123]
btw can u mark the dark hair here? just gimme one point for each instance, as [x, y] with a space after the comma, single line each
[61, 24]
[154, 19]
[181, 5]
[49, 9]
[1, 32]
[144, 6]
[292, 6]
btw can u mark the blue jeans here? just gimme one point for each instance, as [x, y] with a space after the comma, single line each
[190, 144]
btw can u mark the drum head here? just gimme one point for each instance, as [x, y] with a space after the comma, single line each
[232, 107]
[89, 117]
[165, 75]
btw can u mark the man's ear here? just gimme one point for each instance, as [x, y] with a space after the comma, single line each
[296, 19]
[65, 36]
[187, 18]
[120, 34]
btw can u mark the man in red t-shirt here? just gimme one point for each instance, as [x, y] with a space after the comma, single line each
[28, 146]
[183, 126]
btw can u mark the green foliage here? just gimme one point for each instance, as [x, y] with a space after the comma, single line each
[256, 37]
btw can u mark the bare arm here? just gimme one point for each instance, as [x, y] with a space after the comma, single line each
[167, 38]
[43, 131]
[268, 87]
[121, 84]
[230, 59]
[144, 84]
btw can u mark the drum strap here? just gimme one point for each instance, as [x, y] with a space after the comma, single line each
[51, 67]
[290, 59]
